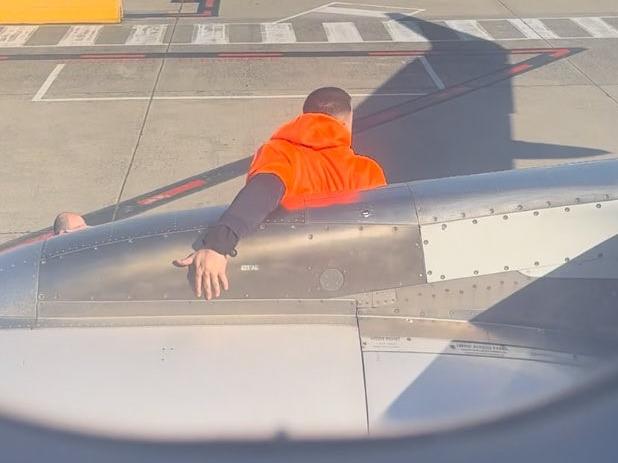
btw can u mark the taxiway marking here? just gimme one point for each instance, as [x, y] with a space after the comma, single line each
[80, 36]
[596, 27]
[540, 28]
[15, 36]
[147, 34]
[344, 32]
[210, 33]
[404, 31]
[277, 33]
[432, 73]
[210, 97]
[48, 82]
[468, 29]
[524, 28]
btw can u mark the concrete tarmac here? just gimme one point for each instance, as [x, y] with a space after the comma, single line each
[81, 133]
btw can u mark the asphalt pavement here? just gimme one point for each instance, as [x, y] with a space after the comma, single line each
[165, 106]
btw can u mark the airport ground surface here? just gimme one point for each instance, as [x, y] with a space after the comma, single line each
[95, 116]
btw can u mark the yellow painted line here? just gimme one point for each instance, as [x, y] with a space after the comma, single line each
[60, 11]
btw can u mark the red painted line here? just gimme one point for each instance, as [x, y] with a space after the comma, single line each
[249, 55]
[114, 56]
[516, 69]
[206, 13]
[172, 192]
[560, 53]
[397, 53]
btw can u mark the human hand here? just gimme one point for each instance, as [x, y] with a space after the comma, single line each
[209, 270]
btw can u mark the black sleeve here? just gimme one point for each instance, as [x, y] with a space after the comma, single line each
[259, 197]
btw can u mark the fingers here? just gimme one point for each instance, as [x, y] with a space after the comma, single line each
[207, 288]
[215, 284]
[185, 262]
[197, 282]
[223, 278]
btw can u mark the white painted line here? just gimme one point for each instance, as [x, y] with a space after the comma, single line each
[278, 33]
[342, 33]
[526, 30]
[302, 13]
[468, 29]
[80, 36]
[50, 80]
[215, 97]
[354, 12]
[432, 73]
[596, 27]
[404, 31]
[540, 28]
[210, 33]
[15, 36]
[147, 34]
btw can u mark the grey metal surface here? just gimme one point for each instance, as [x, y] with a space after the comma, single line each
[387, 205]
[400, 334]
[19, 270]
[187, 381]
[420, 371]
[537, 241]
[300, 257]
[480, 195]
[423, 388]
[197, 312]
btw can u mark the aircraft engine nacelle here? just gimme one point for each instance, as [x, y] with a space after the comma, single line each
[535, 247]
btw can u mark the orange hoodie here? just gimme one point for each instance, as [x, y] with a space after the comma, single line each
[312, 155]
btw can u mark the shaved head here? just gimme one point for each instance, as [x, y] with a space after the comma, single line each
[67, 222]
[328, 100]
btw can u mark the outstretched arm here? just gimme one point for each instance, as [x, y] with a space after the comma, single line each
[252, 204]
[260, 196]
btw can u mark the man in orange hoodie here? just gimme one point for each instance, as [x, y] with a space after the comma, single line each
[309, 155]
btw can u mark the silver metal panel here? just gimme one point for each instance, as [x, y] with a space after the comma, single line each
[301, 259]
[461, 299]
[187, 382]
[19, 270]
[399, 334]
[544, 240]
[139, 227]
[424, 372]
[497, 193]
[414, 389]
[196, 312]
[387, 205]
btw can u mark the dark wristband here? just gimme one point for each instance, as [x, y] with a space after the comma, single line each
[221, 239]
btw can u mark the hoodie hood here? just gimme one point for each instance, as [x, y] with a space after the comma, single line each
[316, 131]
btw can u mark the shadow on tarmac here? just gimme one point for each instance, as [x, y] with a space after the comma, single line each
[467, 135]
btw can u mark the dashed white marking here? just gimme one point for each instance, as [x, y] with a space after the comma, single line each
[522, 27]
[468, 29]
[353, 12]
[80, 36]
[432, 73]
[404, 31]
[278, 33]
[596, 27]
[210, 33]
[540, 28]
[15, 36]
[342, 32]
[48, 82]
[147, 34]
